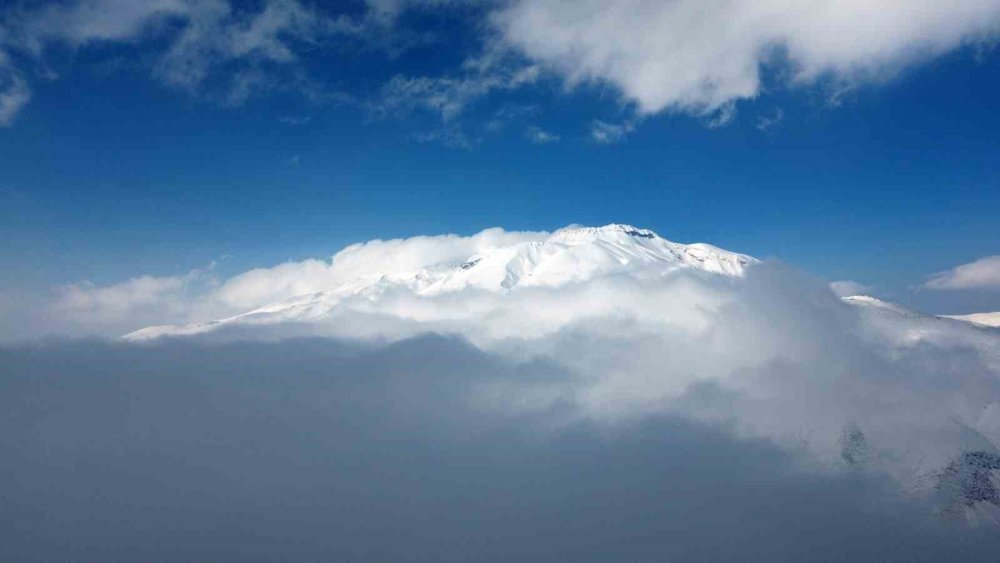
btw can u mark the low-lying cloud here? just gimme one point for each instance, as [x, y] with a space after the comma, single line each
[324, 449]
[634, 414]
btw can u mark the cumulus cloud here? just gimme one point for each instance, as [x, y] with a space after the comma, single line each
[198, 295]
[981, 274]
[319, 449]
[699, 57]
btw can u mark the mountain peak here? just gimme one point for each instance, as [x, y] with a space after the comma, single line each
[571, 255]
[580, 233]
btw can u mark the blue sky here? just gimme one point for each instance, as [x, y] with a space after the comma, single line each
[132, 145]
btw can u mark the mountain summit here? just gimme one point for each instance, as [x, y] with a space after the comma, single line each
[573, 254]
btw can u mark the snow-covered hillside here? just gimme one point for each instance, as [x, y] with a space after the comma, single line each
[985, 319]
[571, 255]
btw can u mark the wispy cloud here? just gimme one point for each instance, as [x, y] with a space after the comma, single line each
[721, 116]
[508, 113]
[605, 133]
[452, 136]
[766, 122]
[448, 96]
[540, 136]
[295, 119]
[14, 93]
[981, 274]
[200, 46]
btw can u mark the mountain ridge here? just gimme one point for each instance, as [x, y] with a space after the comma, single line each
[569, 255]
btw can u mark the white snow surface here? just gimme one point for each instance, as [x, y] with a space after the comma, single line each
[985, 319]
[567, 256]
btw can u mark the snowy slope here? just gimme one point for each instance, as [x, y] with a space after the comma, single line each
[985, 319]
[570, 255]
[869, 301]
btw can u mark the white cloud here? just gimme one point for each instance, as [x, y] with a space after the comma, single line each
[774, 354]
[81, 22]
[981, 274]
[767, 121]
[540, 136]
[14, 94]
[247, 50]
[365, 441]
[199, 296]
[215, 36]
[721, 116]
[606, 133]
[846, 288]
[359, 261]
[452, 136]
[448, 96]
[698, 56]
[149, 298]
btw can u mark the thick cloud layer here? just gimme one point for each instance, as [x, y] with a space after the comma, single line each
[326, 450]
[775, 353]
[636, 414]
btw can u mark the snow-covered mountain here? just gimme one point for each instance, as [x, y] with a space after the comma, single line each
[632, 322]
[570, 255]
[984, 321]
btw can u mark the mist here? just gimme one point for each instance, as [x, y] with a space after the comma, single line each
[325, 449]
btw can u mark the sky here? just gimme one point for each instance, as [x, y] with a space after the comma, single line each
[855, 142]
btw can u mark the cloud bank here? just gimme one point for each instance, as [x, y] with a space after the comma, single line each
[699, 57]
[318, 449]
[774, 353]
[688, 414]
